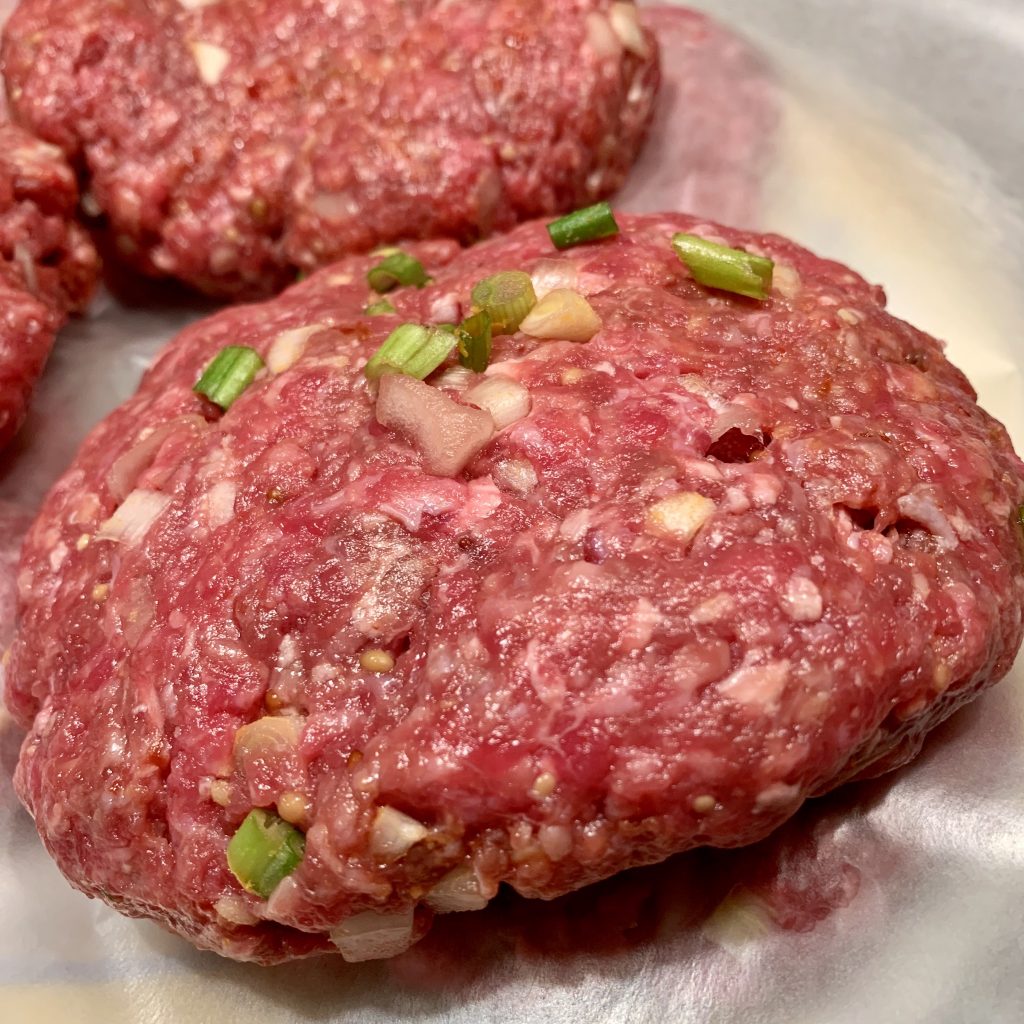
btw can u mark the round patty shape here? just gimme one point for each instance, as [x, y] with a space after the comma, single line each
[48, 266]
[232, 142]
[736, 553]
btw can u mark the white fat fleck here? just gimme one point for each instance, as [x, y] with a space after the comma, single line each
[288, 346]
[713, 609]
[193, 5]
[801, 600]
[211, 60]
[640, 627]
[791, 403]
[445, 309]
[777, 795]
[922, 508]
[574, 527]
[756, 686]
[849, 316]
[57, 556]
[218, 504]
[555, 841]
[626, 25]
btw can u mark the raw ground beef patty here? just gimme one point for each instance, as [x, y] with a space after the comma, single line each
[48, 266]
[735, 553]
[231, 142]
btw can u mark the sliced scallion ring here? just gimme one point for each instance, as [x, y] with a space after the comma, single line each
[718, 266]
[586, 225]
[379, 308]
[264, 851]
[232, 370]
[474, 334]
[396, 269]
[506, 297]
[411, 349]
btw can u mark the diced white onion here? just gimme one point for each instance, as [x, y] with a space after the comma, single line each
[504, 398]
[564, 315]
[679, 516]
[288, 346]
[372, 936]
[626, 25]
[455, 378]
[267, 734]
[127, 468]
[448, 435]
[459, 890]
[211, 60]
[393, 834]
[134, 517]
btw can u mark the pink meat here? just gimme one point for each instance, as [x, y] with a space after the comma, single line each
[48, 266]
[577, 687]
[230, 143]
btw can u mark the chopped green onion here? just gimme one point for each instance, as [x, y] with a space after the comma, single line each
[411, 349]
[585, 225]
[233, 369]
[474, 336]
[379, 308]
[507, 298]
[718, 266]
[397, 268]
[264, 851]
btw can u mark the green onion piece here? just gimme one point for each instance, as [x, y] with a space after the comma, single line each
[397, 268]
[233, 369]
[585, 225]
[379, 308]
[474, 334]
[507, 298]
[411, 349]
[263, 851]
[718, 266]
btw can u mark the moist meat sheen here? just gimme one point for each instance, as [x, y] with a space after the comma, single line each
[48, 266]
[231, 142]
[735, 553]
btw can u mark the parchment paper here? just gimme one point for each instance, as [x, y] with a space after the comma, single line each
[894, 901]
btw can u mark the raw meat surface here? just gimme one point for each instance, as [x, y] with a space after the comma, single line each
[48, 266]
[735, 554]
[230, 143]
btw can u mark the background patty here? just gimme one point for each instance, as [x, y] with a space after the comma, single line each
[230, 143]
[576, 688]
[48, 266]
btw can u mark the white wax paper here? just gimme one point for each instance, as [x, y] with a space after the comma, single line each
[889, 902]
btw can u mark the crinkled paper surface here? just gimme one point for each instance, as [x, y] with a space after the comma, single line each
[887, 134]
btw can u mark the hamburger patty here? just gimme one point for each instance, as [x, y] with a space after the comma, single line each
[48, 266]
[230, 143]
[731, 554]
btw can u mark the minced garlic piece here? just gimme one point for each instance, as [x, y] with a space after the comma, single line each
[679, 516]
